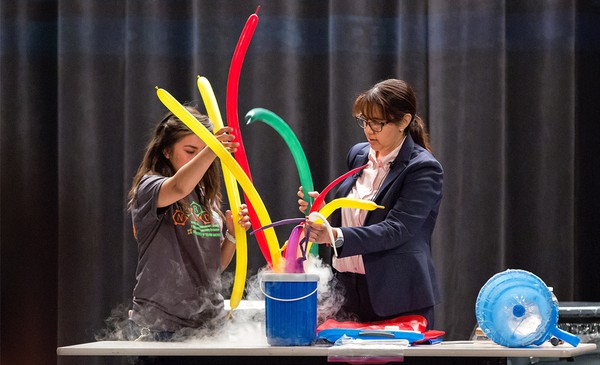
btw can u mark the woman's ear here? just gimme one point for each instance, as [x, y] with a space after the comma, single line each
[166, 153]
[405, 121]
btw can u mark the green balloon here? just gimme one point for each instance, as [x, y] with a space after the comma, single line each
[291, 140]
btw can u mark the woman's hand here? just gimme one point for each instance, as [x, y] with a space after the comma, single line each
[243, 219]
[226, 138]
[302, 204]
[318, 232]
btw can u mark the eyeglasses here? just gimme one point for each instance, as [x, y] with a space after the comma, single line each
[376, 125]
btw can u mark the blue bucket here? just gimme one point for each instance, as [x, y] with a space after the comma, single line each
[290, 308]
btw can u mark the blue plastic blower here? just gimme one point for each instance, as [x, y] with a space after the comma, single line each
[515, 308]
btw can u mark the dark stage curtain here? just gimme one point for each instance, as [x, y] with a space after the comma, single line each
[509, 90]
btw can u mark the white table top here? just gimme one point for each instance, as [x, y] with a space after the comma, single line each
[208, 348]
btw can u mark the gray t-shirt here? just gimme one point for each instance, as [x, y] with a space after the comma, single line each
[179, 262]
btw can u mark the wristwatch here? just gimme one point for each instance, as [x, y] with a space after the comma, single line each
[339, 241]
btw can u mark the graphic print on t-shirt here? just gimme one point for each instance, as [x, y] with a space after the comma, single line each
[179, 218]
[200, 221]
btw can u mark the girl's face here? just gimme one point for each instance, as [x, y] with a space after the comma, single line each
[184, 150]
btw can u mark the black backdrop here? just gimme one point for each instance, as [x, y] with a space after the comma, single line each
[509, 90]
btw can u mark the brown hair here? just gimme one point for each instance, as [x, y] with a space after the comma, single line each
[393, 98]
[170, 130]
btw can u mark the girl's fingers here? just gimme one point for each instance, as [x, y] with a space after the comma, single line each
[244, 220]
[226, 138]
[224, 130]
[231, 146]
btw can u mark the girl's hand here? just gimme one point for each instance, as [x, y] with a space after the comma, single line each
[302, 205]
[226, 138]
[243, 219]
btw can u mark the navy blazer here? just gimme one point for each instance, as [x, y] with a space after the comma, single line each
[395, 242]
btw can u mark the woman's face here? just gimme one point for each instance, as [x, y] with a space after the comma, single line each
[184, 150]
[388, 138]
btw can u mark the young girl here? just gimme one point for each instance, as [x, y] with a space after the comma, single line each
[175, 202]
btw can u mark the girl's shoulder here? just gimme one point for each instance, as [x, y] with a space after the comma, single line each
[150, 178]
[150, 182]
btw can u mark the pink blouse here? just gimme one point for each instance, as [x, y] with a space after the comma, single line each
[366, 187]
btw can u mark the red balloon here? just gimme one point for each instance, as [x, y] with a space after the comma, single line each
[233, 81]
[319, 200]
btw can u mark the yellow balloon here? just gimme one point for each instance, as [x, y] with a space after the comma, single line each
[210, 102]
[345, 203]
[233, 194]
[348, 203]
[215, 145]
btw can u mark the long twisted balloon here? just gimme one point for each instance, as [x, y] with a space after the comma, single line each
[213, 143]
[284, 130]
[233, 81]
[233, 195]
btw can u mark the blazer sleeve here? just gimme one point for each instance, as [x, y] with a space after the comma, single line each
[411, 204]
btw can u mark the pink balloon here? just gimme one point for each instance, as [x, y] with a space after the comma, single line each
[292, 264]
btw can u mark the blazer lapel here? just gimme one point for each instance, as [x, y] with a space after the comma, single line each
[399, 164]
[361, 158]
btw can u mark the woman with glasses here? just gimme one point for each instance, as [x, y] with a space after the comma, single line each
[384, 265]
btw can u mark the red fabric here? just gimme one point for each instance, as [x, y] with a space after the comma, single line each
[405, 323]
[430, 335]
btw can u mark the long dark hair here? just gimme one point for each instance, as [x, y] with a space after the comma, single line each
[170, 130]
[393, 98]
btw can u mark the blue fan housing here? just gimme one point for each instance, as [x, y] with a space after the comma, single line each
[515, 308]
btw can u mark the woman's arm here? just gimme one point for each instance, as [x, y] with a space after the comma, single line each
[412, 204]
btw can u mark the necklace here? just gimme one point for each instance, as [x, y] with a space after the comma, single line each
[376, 191]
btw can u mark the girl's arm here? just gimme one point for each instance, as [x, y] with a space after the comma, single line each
[189, 175]
[228, 247]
